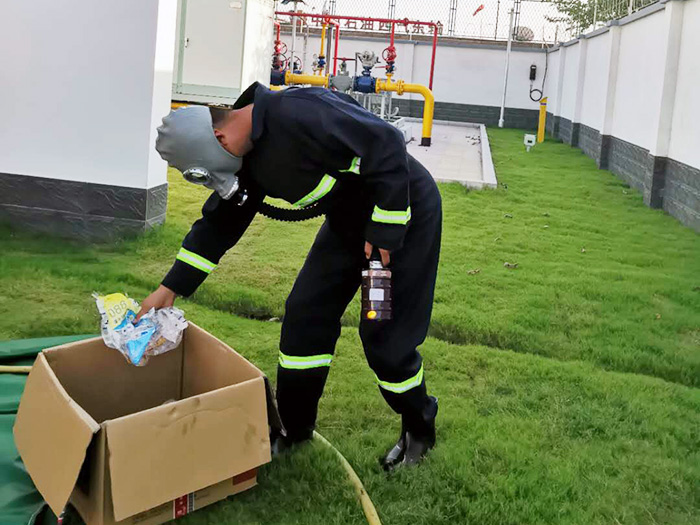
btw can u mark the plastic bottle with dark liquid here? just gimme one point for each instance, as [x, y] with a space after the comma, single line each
[376, 290]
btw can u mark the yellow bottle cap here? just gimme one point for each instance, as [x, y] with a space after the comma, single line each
[371, 314]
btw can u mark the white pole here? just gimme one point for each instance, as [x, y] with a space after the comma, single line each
[306, 45]
[294, 37]
[595, 14]
[505, 74]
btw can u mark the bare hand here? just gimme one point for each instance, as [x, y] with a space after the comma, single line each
[384, 253]
[161, 298]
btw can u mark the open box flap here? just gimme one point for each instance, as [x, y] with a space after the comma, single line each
[158, 455]
[195, 336]
[52, 433]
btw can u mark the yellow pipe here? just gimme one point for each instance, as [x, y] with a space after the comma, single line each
[323, 41]
[314, 80]
[367, 505]
[400, 87]
[543, 120]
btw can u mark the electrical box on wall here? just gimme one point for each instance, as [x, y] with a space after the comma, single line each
[223, 47]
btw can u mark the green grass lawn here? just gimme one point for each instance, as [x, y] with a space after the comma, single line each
[568, 386]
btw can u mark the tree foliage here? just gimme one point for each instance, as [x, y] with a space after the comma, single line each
[581, 15]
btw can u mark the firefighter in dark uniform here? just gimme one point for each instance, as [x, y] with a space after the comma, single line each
[313, 146]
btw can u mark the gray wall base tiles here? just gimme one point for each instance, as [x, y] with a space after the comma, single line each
[604, 154]
[565, 130]
[513, 117]
[80, 210]
[681, 195]
[552, 125]
[575, 132]
[657, 181]
[664, 183]
[589, 140]
[631, 163]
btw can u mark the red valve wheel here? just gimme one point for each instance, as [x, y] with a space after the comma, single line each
[389, 54]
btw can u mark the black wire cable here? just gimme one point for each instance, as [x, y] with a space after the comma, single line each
[544, 77]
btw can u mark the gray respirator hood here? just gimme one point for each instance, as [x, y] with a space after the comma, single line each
[186, 141]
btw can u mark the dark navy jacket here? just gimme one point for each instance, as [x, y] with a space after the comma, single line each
[309, 145]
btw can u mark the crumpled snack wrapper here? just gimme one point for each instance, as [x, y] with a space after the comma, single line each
[157, 332]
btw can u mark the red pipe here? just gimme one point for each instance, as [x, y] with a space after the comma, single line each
[432, 60]
[279, 29]
[405, 22]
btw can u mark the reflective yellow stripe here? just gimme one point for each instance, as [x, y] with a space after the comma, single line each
[326, 185]
[195, 260]
[391, 217]
[400, 388]
[354, 166]
[301, 363]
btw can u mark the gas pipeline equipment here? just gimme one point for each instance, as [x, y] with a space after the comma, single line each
[362, 86]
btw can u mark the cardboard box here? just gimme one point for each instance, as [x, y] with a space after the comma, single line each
[144, 445]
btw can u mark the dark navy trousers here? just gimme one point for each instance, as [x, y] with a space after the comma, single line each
[326, 284]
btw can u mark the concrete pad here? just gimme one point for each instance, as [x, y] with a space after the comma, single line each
[459, 152]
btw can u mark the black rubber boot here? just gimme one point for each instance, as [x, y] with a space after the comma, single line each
[395, 454]
[280, 443]
[417, 438]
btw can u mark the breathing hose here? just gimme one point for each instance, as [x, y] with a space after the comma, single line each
[362, 496]
[291, 215]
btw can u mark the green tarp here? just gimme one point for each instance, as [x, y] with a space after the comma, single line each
[20, 503]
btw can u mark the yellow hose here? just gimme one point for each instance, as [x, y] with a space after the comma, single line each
[4, 369]
[367, 505]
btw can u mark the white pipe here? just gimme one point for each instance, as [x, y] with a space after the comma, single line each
[306, 45]
[294, 37]
[505, 74]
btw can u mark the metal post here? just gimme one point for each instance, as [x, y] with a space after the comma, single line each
[329, 44]
[595, 14]
[306, 45]
[452, 18]
[542, 124]
[294, 37]
[498, 12]
[392, 8]
[505, 73]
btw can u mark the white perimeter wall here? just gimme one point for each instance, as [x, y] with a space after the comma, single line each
[570, 80]
[639, 80]
[685, 130]
[595, 81]
[463, 75]
[635, 106]
[83, 85]
[552, 81]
